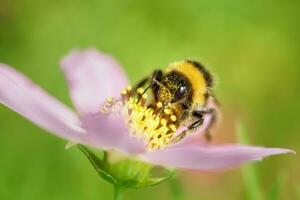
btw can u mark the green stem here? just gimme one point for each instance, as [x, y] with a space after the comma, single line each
[249, 172]
[176, 188]
[118, 193]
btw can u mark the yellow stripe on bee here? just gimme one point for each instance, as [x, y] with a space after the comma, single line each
[195, 76]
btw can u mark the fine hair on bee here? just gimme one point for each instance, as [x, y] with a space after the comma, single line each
[186, 88]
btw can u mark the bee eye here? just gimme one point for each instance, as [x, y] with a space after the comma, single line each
[180, 93]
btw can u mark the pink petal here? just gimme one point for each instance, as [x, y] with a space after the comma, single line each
[27, 99]
[108, 131]
[92, 78]
[210, 157]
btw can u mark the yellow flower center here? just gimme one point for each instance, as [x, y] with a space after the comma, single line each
[150, 123]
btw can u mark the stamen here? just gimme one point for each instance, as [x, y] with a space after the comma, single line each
[144, 99]
[167, 111]
[140, 90]
[110, 100]
[154, 124]
[123, 92]
[172, 127]
[124, 95]
[163, 122]
[173, 118]
[104, 110]
[159, 105]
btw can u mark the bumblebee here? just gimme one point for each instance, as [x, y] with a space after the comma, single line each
[185, 87]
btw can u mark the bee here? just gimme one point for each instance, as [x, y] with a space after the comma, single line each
[186, 88]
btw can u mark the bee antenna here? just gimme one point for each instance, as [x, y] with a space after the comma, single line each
[139, 99]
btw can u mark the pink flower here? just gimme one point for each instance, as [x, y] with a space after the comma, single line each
[93, 77]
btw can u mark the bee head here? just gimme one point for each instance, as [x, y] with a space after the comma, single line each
[175, 87]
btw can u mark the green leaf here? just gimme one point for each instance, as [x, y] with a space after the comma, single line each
[146, 183]
[137, 174]
[249, 171]
[127, 173]
[130, 169]
[99, 164]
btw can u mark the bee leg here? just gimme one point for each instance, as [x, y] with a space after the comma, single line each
[196, 124]
[179, 137]
[192, 127]
[211, 123]
[141, 83]
[156, 75]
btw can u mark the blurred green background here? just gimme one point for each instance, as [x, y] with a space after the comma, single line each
[252, 47]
